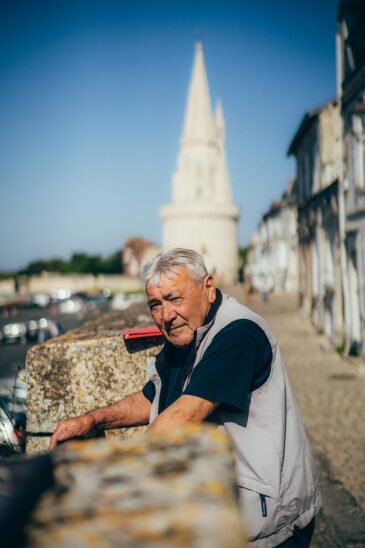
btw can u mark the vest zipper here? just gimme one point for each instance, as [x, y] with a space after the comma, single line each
[263, 506]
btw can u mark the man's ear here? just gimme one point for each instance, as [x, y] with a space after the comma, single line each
[209, 284]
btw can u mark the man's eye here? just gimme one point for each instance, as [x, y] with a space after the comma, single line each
[176, 300]
[154, 307]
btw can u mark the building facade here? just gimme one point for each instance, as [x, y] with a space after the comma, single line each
[351, 92]
[202, 215]
[329, 147]
[316, 147]
[136, 252]
[272, 261]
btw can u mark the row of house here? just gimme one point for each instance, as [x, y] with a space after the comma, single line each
[312, 241]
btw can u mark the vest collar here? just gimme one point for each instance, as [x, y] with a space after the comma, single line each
[209, 320]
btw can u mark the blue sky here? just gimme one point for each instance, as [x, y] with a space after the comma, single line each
[92, 100]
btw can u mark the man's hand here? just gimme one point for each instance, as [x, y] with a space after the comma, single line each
[133, 410]
[71, 428]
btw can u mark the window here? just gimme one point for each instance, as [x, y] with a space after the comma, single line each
[358, 151]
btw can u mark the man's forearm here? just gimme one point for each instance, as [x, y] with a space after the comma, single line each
[133, 410]
[185, 410]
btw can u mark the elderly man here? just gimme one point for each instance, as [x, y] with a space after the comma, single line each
[221, 363]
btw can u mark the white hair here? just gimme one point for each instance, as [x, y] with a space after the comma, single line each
[170, 262]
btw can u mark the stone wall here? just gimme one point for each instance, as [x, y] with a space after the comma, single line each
[169, 490]
[84, 369]
[49, 282]
[7, 290]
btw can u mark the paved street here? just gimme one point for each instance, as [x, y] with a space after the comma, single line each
[330, 392]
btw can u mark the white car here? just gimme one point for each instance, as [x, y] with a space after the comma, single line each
[42, 300]
[121, 301]
[14, 332]
[9, 442]
[43, 329]
[74, 305]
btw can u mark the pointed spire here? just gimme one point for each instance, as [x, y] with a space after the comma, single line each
[222, 184]
[222, 180]
[218, 115]
[219, 121]
[202, 215]
[198, 123]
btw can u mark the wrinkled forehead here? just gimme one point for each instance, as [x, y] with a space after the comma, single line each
[175, 275]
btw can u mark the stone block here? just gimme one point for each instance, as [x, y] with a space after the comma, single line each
[37, 444]
[84, 369]
[174, 489]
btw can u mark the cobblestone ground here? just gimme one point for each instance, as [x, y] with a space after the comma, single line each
[330, 391]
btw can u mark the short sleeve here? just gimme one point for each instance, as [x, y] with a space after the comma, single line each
[237, 361]
[149, 391]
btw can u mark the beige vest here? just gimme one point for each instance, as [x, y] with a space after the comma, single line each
[276, 478]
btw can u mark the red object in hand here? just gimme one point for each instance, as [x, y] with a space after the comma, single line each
[140, 332]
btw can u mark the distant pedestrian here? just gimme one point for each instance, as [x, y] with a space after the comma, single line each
[267, 287]
[248, 287]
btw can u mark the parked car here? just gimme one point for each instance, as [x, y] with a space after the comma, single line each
[9, 441]
[16, 412]
[121, 301]
[43, 329]
[15, 332]
[15, 389]
[60, 295]
[13, 395]
[32, 330]
[6, 401]
[20, 387]
[97, 301]
[74, 305]
[41, 300]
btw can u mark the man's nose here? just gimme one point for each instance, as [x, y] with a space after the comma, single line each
[167, 311]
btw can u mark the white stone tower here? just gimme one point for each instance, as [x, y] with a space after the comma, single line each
[202, 215]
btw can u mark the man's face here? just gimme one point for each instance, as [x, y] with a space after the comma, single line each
[180, 304]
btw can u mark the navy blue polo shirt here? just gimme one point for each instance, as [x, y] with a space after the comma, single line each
[237, 361]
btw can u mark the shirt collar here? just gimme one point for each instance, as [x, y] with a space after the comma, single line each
[201, 331]
[214, 308]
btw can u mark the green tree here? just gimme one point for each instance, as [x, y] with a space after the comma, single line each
[113, 264]
[79, 263]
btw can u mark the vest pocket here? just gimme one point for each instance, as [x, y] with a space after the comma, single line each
[257, 486]
[261, 513]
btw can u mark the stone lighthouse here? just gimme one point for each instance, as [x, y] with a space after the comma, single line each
[202, 215]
